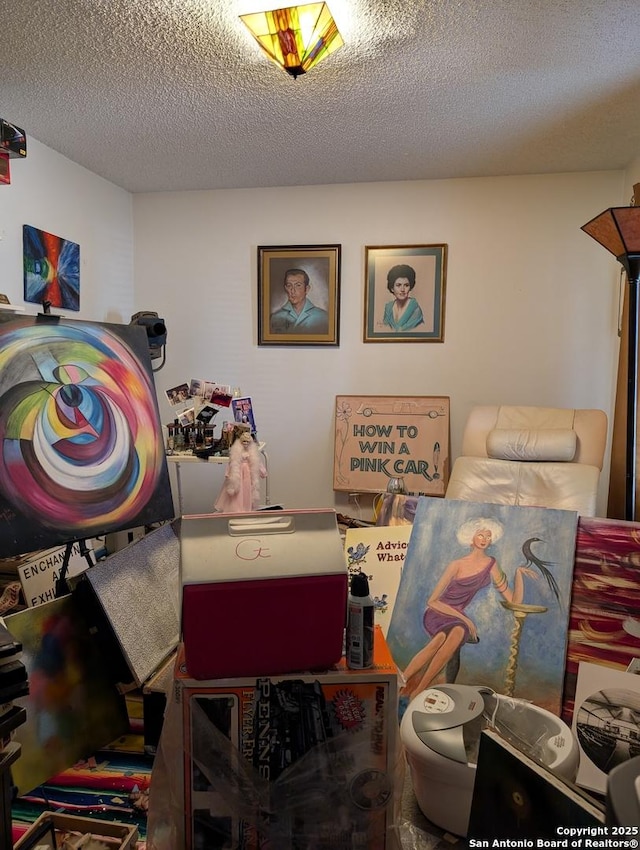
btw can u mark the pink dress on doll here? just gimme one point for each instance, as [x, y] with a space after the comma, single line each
[241, 489]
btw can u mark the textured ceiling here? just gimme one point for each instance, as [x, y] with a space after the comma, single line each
[174, 94]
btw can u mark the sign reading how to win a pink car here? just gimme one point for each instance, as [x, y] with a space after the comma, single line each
[378, 438]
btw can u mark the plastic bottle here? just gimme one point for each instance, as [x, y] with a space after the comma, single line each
[360, 617]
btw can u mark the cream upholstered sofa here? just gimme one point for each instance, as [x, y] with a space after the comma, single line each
[535, 456]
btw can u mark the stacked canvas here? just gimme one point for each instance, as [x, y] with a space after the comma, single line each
[604, 628]
[13, 684]
[602, 687]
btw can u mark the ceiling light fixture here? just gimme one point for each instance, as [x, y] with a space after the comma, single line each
[618, 230]
[296, 38]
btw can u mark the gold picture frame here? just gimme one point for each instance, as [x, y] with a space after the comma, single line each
[299, 295]
[405, 293]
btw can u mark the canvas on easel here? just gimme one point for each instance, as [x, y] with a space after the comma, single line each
[484, 599]
[81, 444]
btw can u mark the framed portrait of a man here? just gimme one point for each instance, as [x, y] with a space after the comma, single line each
[404, 293]
[299, 295]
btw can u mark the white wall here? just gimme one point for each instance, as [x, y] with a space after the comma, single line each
[531, 306]
[56, 195]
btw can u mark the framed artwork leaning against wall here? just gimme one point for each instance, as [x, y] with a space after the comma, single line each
[299, 295]
[405, 293]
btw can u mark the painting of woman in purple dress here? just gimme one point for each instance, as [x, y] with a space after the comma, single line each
[484, 599]
[445, 620]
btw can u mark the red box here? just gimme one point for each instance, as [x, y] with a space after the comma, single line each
[5, 168]
[297, 760]
[262, 593]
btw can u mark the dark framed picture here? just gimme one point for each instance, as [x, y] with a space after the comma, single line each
[299, 295]
[405, 293]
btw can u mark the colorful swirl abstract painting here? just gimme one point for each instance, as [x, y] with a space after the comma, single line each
[81, 446]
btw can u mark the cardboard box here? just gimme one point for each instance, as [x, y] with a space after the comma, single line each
[118, 836]
[310, 756]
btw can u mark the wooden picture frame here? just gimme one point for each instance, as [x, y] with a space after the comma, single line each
[40, 836]
[405, 293]
[299, 295]
[378, 438]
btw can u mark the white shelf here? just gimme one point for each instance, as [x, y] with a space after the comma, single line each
[189, 457]
[11, 308]
[179, 458]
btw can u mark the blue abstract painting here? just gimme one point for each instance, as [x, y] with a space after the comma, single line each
[51, 269]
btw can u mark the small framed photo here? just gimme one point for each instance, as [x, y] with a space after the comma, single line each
[405, 293]
[243, 412]
[299, 295]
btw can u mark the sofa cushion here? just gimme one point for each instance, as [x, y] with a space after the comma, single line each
[547, 444]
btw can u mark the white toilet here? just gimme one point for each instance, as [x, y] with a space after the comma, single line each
[440, 731]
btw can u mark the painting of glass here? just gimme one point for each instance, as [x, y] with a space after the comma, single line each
[81, 444]
[51, 269]
[484, 599]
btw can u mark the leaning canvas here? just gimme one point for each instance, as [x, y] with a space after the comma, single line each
[484, 599]
[604, 620]
[73, 708]
[605, 722]
[379, 553]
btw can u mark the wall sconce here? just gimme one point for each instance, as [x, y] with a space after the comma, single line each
[296, 38]
[156, 334]
[618, 230]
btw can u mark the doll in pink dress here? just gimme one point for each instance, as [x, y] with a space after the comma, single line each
[241, 488]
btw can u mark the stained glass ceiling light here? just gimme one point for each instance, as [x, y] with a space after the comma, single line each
[296, 38]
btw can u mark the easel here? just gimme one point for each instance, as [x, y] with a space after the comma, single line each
[7, 758]
[62, 587]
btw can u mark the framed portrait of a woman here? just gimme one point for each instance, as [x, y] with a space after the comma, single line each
[405, 293]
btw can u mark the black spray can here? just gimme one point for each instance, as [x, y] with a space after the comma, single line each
[360, 617]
